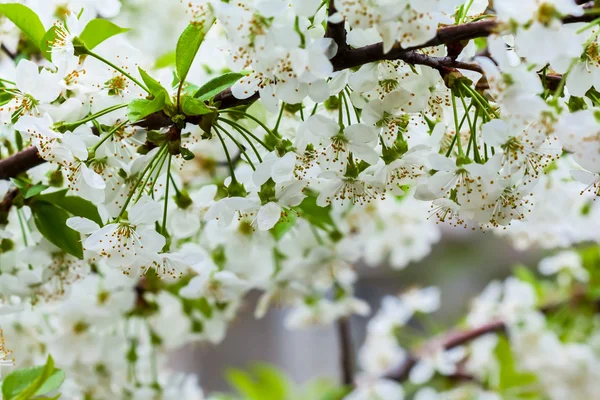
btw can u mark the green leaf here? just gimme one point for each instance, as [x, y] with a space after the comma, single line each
[35, 190]
[141, 108]
[75, 205]
[509, 377]
[156, 137]
[98, 30]
[21, 184]
[216, 85]
[153, 85]
[25, 383]
[48, 38]
[52, 383]
[186, 154]
[188, 45]
[284, 225]
[26, 20]
[51, 221]
[263, 383]
[193, 106]
[316, 215]
[166, 60]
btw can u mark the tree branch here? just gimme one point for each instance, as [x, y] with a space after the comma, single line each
[6, 203]
[337, 31]
[346, 351]
[22, 161]
[459, 338]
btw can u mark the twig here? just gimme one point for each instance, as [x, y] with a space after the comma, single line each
[459, 338]
[8, 52]
[346, 351]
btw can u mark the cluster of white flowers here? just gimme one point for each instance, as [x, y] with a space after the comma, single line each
[545, 355]
[278, 145]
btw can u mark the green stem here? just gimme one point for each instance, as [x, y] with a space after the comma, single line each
[475, 97]
[356, 112]
[241, 132]
[22, 225]
[240, 127]
[455, 112]
[177, 191]
[106, 136]
[340, 112]
[164, 221]
[121, 70]
[279, 118]
[128, 200]
[347, 108]
[73, 125]
[242, 149]
[160, 166]
[231, 169]
[253, 118]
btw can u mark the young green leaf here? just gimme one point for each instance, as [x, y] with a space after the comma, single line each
[153, 85]
[318, 216]
[51, 221]
[141, 108]
[74, 205]
[186, 153]
[166, 60]
[47, 39]
[34, 190]
[26, 20]
[98, 30]
[509, 376]
[216, 85]
[284, 225]
[193, 106]
[188, 45]
[25, 383]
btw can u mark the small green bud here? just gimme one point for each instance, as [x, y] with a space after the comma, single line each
[332, 103]
[183, 200]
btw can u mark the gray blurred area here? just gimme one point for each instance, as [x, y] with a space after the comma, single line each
[460, 265]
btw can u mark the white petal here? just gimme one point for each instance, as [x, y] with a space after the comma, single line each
[82, 225]
[268, 215]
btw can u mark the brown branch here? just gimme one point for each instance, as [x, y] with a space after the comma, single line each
[337, 31]
[9, 53]
[6, 204]
[22, 161]
[459, 338]
[346, 351]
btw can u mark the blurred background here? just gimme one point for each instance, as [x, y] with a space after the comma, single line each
[460, 265]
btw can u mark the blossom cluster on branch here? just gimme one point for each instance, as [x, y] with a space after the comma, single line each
[153, 173]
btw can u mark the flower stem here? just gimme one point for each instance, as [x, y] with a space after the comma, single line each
[242, 149]
[121, 70]
[128, 200]
[106, 136]
[231, 169]
[73, 125]
[164, 221]
[253, 118]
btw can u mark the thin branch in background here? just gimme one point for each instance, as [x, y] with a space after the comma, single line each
[9, 53]
[459, 338]
[346, 351]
